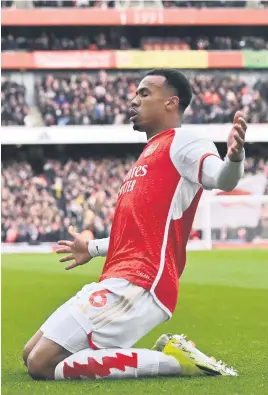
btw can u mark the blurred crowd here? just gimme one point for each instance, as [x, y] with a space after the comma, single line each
[205, 43]
[57, 3]
[213, 3]
[14, 108]
[40, 207]
[133, 3]
[83, 99]
[104, 99]
[49, 41]
[218, 97]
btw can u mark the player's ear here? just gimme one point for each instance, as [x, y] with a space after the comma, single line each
[172, 103]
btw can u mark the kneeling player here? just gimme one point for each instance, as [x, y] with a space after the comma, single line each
[91, 335]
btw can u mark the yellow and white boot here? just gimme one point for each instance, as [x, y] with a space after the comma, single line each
[192, 361]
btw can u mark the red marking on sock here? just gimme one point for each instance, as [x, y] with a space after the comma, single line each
[90, 342]
[93, 368]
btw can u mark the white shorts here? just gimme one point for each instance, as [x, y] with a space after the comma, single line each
[110, 314]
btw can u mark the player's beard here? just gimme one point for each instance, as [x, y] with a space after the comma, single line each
[137, 126]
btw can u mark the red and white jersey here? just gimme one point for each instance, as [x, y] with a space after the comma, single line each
[154, 214]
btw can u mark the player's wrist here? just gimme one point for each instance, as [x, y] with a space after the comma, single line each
[87, 247]
[236, 157]
[92, 248]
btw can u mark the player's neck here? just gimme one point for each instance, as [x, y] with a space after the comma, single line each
[154, 132]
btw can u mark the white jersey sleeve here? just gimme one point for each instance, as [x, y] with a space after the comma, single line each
[224, 175]
[198, 161]
[188, 153]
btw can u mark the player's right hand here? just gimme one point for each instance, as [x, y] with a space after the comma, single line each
[77, 250]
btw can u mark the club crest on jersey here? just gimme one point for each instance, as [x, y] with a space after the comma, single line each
[150, 150]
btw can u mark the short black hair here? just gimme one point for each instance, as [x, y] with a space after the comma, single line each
[179, 82]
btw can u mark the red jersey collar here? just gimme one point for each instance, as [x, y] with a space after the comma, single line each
[158, 136]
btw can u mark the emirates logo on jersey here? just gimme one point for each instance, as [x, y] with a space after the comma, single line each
[150, 150]
[128, 183]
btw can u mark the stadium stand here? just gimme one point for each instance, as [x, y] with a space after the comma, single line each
[39, 205]
[114, 39]
[82, 193]
[104, 98]
[69, 100]
[83, 98]
[42, 79]
[14, 108]
[112, 4]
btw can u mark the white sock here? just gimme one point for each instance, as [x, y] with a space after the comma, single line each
[116, 364]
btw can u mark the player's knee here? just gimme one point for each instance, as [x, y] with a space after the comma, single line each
[30, 345]
[26, 352]
[39, 368]
[35, 367]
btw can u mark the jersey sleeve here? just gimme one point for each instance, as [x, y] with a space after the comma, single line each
[188, 153]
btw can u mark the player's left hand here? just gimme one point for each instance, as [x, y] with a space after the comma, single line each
[77, 250]
[236, 139]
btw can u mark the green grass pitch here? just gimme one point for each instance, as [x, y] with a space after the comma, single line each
[223, 307]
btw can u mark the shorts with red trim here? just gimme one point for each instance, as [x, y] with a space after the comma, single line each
[109, 314]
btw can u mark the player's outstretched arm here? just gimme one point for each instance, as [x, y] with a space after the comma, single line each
[197, 159]
[226, 174]
[81, 251]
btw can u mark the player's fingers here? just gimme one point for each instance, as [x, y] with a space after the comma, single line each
[234, 150]
[71, 265]
[67, 258]
[239, 140]
[72, 232]
[235, 146]
[66, 243]
[237, 115]
[240, 130]
[243, 123]
[63, 250]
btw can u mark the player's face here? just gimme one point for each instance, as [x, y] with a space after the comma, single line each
[149, 105]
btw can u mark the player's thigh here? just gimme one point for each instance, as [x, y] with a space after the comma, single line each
[70, 326]
[112, 313]
[64, 330]
[116, 313]
[38, 335]
[31, 344]
[127, 322]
